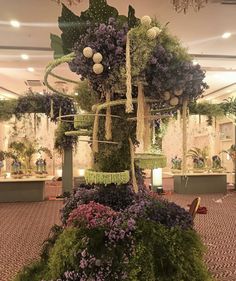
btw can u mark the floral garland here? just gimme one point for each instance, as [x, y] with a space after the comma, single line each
[150, 161]
[94, 177]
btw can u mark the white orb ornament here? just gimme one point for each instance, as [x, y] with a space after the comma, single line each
[88, 52]
[146, 20]
[166, 96]
[158, 30]
[178, 92]
[151, 33]
[98, 68]
[97, 58]
[174, 101]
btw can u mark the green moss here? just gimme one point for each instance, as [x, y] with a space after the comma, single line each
[86, 97]
[115, 157]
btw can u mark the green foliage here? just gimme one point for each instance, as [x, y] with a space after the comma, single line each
[64, 255]
[173, 45]
[99, 11]
[132, 20]
[48, 244]
[56, 45]
[34, 272]
[213, 110]
[30, 103]
[115, 157]
[229, 106]
[86, 97]
[73, 26]
[141, 49]
[196, 153]
[7, 109]
[150, 251]
[24, 151]
[61, 140]
[84, 121]
[173, 254]
[208, 109]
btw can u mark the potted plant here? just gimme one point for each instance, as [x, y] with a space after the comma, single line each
[22, 152]
[216, 164]
[200, 157]
[232, 153]
[1, 162]
[176, 165]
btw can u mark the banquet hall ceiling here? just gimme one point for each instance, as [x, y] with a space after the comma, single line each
[201, 32]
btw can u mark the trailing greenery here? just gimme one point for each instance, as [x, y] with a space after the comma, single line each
[34, 272]
[170, 254]
[7, 109]
[51, 104]
[227, 107]
[61, 140]
[150, 240]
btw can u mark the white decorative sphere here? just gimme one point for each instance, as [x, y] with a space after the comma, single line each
[174, 101]
[146, 20]
[97, 57]
[178, 92]
[151, 33]
[158, 30]
[98, 68]
[166, 96]
[88, 52]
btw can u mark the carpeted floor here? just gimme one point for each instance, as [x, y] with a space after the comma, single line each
[24, 226]
[218, 231]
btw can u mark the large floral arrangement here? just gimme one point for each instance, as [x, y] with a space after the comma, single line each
[109, 232]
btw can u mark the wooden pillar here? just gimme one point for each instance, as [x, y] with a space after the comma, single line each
[67, 170]
[184, 136]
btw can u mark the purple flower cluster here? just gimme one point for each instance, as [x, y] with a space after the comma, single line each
[116, 197]
[121, 228]
[166, 72]
[110, 41]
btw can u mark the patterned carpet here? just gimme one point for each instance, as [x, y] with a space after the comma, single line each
[218, 231]
[24, 226]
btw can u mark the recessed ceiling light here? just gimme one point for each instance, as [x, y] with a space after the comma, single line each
[15, 23]
[24, 56]
[226, 35]
[30, 69]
